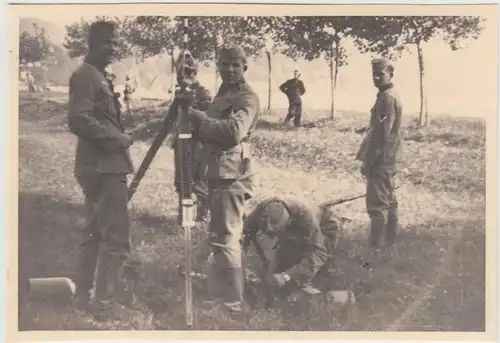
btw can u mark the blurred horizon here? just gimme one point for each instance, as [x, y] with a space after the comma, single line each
[458, 83]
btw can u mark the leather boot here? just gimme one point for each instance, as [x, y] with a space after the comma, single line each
[234, 299]
[108, 281]
[376, 229]
[391, 228]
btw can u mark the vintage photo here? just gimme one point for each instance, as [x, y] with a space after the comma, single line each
[321, 169]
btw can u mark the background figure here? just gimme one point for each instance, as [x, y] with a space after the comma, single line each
[127, 99]
[379, 152]
[101, 167]
[30, 82]
[226, 128]
[294, 89]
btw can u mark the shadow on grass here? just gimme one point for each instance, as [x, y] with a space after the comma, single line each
[48, 234]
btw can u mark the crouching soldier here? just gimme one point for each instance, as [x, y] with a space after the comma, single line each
[306, 238]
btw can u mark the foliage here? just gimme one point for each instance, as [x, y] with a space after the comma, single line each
[391, 36]
[34, 47]
[76, 36]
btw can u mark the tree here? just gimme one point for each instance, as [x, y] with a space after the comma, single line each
[391, 36]
[76, 36]
[34, 47]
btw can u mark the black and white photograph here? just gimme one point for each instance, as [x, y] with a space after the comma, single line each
[312, 169]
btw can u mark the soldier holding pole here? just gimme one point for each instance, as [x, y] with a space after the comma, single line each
[225, 129]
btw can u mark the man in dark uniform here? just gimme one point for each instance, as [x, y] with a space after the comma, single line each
[201, 101]
[379, 152]
[101, 167]
[225, 129]
[294, 89]
[306, 238]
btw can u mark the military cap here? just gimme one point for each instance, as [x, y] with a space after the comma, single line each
[275, 216]
[381, 63]
[232, 51]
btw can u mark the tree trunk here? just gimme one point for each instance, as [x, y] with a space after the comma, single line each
[172, 86]
[332, 105]
[335, 78]
[268, 53]
[215, 65]
[422, 93]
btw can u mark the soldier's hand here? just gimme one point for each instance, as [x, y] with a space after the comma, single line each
[197, 114]
[277, 280]
[364, 170]
[126, 140]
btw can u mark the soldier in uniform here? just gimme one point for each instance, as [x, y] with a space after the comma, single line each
[101, 167]
[306, 238]
[294, 89]
[201, 101]
[225, 129]
[378, 153]
[127, 92]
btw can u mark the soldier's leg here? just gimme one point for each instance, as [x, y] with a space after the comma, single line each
[392, 225]
[289, 114]
[88, 249]
[226, 229]
[298, 114]
[377, 204]
[114, 225]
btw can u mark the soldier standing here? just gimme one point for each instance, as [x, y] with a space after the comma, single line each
[379, 152]
[101, 167]
[294, 89]
[127, 92]
[225, 129]
[306, 240]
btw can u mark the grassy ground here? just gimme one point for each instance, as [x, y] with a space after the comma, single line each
[435, 283]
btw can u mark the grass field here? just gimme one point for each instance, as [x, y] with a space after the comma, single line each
[437, 282]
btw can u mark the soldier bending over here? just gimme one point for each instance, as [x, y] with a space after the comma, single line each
[306, 240]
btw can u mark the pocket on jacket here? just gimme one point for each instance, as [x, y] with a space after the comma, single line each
[225, 166]
[392, 150]
[114, 163]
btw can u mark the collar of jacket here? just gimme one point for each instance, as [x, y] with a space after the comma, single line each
[93, 63]
[386, 87]
[224, 87]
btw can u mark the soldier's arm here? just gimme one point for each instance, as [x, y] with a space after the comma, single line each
[82, 97]
[314, 257]
[386, 117]
[233, 129]
[284, 87]
[251, 227]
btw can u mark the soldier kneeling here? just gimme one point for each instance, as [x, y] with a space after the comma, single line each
[305, 241]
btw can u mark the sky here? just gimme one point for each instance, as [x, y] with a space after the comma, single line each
[462, 83]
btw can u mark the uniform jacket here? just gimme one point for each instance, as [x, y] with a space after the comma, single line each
[294, 89]
[95, 119]
[232, 117]
[381, 145]
[304, 237]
